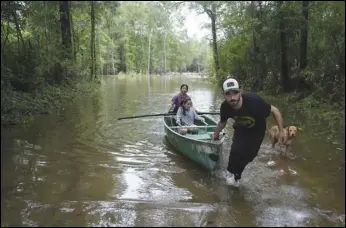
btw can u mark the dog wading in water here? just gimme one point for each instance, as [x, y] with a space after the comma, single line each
[290, 133]
[249, 112]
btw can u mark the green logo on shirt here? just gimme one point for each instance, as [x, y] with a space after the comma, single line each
[244, 121]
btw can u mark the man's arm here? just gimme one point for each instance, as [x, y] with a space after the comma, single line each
[222, 122]
[278, 117]
[219, 127]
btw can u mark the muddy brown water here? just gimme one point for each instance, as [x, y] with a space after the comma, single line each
[80, 166]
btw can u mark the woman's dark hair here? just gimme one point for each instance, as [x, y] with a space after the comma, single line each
[187, 87]
[186, 99]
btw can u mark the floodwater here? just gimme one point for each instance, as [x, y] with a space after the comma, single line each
[80, 166]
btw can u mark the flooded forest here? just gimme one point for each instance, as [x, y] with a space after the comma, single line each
[69, 69]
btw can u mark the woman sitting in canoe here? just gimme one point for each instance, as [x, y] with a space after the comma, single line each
[178, 98]
[186, 116]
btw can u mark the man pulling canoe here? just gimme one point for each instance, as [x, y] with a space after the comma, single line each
[249, 111]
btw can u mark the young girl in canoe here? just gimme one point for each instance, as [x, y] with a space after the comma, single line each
[178, 98]
[186, 116]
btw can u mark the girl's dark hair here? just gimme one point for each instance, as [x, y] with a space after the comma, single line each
[187, 87]
[186, 99]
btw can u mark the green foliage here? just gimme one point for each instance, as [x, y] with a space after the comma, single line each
[129, 31]
[250, 49]
[34, 61]
[20, 107]
[135, 37]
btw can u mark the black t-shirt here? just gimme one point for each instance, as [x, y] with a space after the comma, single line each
[251, 117]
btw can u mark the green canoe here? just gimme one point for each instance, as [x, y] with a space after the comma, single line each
[197, 147]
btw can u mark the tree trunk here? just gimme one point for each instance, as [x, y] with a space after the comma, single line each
[149, 43]
[2, 66]
[164, 53]
[96, 45]
[122, 56]
[66, 29]
[143, 56]
[341, 56]
[92, 42]
[19, 33]
[256, 69]
[73, 36]
[113, 65]
[262, 64]
[304, 35]
[45, 32]
[283, 52]
[212, 15]
[112, 51]
[3, 45]
[213, 27]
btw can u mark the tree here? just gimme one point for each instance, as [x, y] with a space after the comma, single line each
[210, 8]
[92, 41]
[304, 35]
[285, 79]
[66, 29]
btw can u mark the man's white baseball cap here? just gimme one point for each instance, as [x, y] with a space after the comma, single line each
[230, 84]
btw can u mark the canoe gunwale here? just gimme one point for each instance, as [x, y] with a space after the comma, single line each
[213, 143]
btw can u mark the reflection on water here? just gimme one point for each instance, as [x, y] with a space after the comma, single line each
[82, 167]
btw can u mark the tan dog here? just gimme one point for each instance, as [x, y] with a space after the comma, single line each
[290, 133]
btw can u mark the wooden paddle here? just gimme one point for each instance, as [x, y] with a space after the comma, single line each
[166, 114]
[193, 126]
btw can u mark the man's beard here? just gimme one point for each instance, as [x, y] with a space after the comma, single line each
[231, 102]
